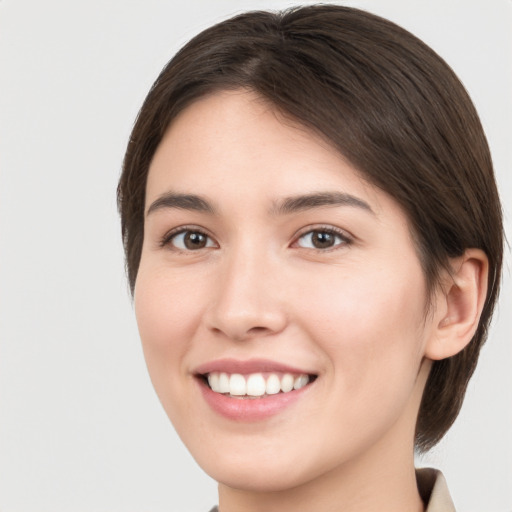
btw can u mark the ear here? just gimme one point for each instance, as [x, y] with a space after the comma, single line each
[459, 304]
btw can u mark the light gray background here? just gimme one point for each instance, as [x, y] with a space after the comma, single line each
[80, 426]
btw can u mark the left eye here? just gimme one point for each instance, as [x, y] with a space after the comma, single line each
[190, 240]
[321, 239]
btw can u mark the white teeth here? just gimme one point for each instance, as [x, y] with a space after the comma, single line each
[213, 381]
[300, 381]
[223, 383]
[237, 385]
[287, 383]
[273, 384]
[255, 384]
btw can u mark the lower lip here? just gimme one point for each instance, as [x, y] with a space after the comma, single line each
[248, 409]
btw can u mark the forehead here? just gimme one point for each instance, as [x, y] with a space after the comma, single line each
[235, 142]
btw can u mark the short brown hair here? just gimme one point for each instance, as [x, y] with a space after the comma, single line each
[388, 103]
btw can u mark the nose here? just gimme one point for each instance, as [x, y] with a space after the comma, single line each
[248, 302]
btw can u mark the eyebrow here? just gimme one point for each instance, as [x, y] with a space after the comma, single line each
[182, 202]
[284, 206]
[317, 200]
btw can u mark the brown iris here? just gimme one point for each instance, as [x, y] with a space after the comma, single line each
[194, 240]
[322, 239]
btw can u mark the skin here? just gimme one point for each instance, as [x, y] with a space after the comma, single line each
[354, 314]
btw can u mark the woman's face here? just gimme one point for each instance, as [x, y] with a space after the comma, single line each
[268, 263]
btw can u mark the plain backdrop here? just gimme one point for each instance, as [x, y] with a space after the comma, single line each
[80, 426]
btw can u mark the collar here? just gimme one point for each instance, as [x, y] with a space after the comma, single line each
[434, 491]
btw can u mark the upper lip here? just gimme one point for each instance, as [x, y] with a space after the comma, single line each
[248, 366]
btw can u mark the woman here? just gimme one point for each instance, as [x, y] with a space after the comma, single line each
[314, 243]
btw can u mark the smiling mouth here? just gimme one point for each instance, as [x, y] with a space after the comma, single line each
[255, 385]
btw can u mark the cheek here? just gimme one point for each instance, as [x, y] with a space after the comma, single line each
[167, 306]
[168, 310]
[372, 334]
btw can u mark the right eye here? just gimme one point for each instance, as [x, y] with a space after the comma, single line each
[189, 240]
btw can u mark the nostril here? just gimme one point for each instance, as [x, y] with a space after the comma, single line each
[244, 323]
[257, 330]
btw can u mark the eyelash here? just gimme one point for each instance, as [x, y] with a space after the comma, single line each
[344, 238]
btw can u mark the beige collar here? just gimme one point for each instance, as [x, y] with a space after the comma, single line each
[434, 491]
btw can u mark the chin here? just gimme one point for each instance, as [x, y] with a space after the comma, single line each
[256, 477]
[260, 467]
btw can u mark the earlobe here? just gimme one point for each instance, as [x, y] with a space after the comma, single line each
[459, 305]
